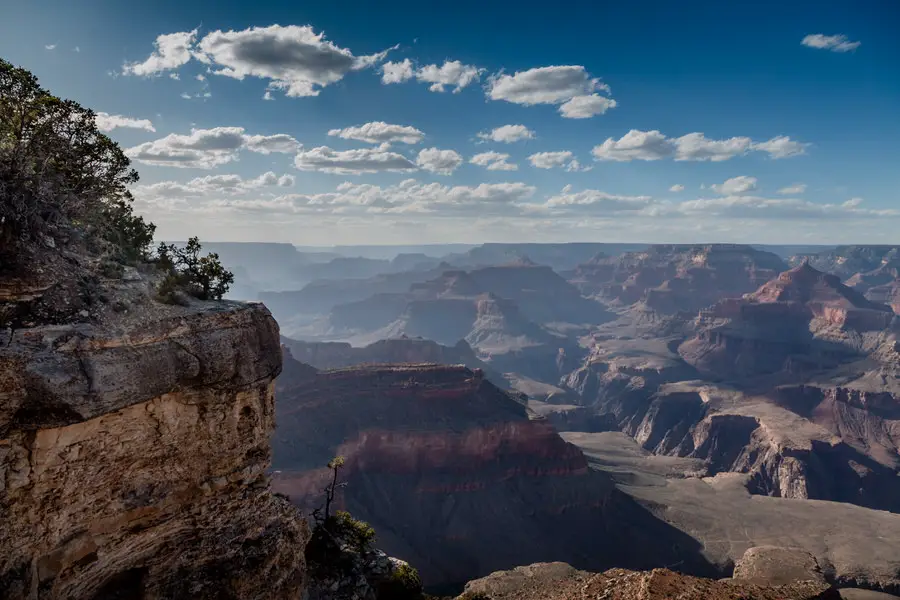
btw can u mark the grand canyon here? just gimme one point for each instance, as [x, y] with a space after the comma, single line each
[507, 302]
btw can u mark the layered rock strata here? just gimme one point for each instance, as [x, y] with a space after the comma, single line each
[456, 476]
[133, 459]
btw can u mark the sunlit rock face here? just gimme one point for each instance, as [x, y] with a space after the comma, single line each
[133, 460]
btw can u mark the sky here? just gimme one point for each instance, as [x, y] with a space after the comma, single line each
[359, 122]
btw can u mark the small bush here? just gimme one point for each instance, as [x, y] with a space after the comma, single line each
[203, 277]
[404, 584]
[359, 533]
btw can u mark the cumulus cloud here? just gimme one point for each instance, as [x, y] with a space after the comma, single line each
[550, 160]
[231, 184]
[208, 148]
[108, 122]
[635, 145]
[735, 186]
[397, 72]
[493, 161]
[171, 50]
[797, 188]
[596, 201]
[781, 147]
[754, 207]
[653, 145]
[443, 162]
[835, 43]
[379, 132]
[570, 86]
[585, 107]
[293, 58]
[50, 47]
[677, 188]
[409, 196]
[507, 134]
[352, 162]
[452, 73]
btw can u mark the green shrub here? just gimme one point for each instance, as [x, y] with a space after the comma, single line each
[403, 584]
[359, 533]
[62, 181]
[203, 277]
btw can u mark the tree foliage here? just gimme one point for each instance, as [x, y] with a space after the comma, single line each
[61, 178]
[203, 277]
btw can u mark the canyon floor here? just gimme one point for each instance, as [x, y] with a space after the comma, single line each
[727, 520]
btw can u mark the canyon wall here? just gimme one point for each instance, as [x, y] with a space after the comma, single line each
[456, 476]
[133, 459]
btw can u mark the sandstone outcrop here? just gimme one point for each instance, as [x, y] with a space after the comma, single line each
[133, 458]
[559, 581]
[456, 476]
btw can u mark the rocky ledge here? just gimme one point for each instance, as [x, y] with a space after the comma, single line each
[133, 459]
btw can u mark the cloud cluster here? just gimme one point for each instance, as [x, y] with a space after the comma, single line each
[793, 190]
[171, 50]
[653, 145]
[755, 207]
[213, 184]
[677, 188]
[494, 161]
[596, 201]
[379, 132]
[835, 43]
[352, 162]
[452, 73]
[571, 87]
[208, 148]
[735, 186]
[442, 162]
[507, 134]
[292, 58]
[107, 122]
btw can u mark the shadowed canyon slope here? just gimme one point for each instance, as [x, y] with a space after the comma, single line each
[456, 476]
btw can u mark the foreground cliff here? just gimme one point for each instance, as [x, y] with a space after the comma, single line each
[133, 457]
[456, 476]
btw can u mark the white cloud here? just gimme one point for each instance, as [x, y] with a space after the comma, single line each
[352, 162]
[397, 72]
[754, 207]
[200, 77]
[172, 50]
[493, 161]
[452, 73]
[544, 85]
[677, 188]
[735, 186]
[378, 132]
[212, 185]
[443, 162]
[696, 147]
[294, 58]
[570, 85]
[50, 47]
[835, 43]
[108, 122]
[585, 107]
[574, 166]
[653, 145]
[208, 148]
[175, 76]
[550, 160]
[507, 134]
[635, 145]
[596, 201]
[797, 188]
[781, 147]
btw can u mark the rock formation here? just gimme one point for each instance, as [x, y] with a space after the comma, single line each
[456, 476]
[675, 278]
[133, 457]
[559, 581]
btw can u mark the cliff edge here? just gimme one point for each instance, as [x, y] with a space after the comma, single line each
[133, 457]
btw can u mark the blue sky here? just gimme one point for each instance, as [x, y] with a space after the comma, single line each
[700, 121]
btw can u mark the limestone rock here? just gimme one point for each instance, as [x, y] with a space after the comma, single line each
[773, 565]
[133, 461]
